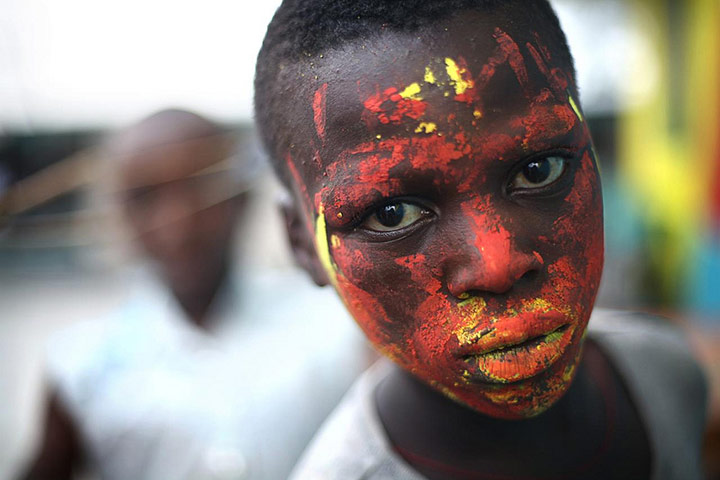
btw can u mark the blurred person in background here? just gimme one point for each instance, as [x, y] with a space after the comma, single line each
[201, 374]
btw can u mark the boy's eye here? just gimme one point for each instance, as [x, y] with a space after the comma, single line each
[539, 173]
[394, 216]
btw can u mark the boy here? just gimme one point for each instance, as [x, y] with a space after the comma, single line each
[176, 384]
[439, 158]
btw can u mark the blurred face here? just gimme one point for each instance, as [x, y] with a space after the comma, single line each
[179, 214]
[453, 193]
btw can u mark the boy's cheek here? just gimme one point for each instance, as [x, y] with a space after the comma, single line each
[579, 230]
[396, 301]
[377, 273]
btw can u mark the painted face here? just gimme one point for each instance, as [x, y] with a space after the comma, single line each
[452, 188]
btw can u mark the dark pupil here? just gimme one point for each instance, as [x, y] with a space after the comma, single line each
[537, 171]
[391, 215]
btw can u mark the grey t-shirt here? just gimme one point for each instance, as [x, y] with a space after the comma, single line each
[664, 381]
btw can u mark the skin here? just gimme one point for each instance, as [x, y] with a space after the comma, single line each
[182, 216]
[485, 290]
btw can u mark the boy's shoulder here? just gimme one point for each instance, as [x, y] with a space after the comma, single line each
[648, 350]
[352, 445]
[665, 382]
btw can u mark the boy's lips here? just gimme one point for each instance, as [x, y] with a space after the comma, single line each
[516, 348]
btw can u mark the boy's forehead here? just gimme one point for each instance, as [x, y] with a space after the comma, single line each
[391, 56]
[472, 69]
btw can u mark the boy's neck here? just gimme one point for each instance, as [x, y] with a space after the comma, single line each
[197, 305]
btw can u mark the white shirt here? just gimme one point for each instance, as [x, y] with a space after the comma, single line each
[155, 397]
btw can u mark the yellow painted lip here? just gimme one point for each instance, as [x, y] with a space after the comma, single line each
[511, 330]
[522, 341]
[520, 361]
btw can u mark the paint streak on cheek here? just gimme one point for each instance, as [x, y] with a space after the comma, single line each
[353, 263]
[566, 281]
[362, 289]
[580, 231]
[592, 219]
[583, 196]
[421, 318]
[582, 221]
[319, 106]
[369, 315]
[346, 267]
[428, 336]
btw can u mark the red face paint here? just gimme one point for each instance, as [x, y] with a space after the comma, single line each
[391, 106]
[482, 277]
[319, 105]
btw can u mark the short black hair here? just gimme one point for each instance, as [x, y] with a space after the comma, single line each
[301, 29]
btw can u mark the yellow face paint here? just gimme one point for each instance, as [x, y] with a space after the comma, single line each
[427, 127]
[429, 76]
[569, 373]
[471, 311]
[538, 304]
[575, 108]
[411, 91]
[456, 76]
[322, 246]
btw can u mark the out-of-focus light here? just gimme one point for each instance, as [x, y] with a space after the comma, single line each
[617, 67]
[80, 63]
[83, 63]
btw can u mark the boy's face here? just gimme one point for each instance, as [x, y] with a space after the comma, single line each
[452, 189]
[181, 217]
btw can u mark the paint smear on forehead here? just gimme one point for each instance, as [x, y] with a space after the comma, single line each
[556, 77]
[393, 106]
[319, 114]
[396, 106]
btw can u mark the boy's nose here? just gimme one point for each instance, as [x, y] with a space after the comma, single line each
[492, 263]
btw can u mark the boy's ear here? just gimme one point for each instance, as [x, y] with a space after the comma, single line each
[302, 242]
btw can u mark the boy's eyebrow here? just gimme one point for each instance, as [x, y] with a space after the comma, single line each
[376, 169]
[372, 172]
[372, 161]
